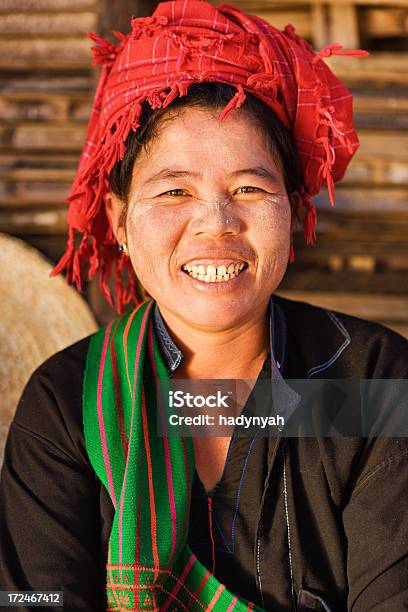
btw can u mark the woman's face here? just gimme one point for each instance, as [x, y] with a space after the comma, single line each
[208, 221]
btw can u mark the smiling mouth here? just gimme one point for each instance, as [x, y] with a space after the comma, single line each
[212, 273]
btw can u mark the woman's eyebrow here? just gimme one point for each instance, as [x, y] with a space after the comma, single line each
[258, 171]
[168, 173]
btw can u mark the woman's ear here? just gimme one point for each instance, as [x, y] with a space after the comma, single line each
[116, 213]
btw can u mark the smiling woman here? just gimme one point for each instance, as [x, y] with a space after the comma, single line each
[197, 197]
[211, 131]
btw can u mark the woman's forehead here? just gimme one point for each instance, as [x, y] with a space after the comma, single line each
[194, 135]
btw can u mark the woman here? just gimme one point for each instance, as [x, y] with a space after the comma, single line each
[210, 132]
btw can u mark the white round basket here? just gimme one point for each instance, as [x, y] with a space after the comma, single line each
[39, 315]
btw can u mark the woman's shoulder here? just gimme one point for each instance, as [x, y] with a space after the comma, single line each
[68, 360]
[362, 348]
[61, 372]
[50, 407]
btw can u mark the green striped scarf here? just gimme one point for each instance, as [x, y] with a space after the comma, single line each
[149, 477]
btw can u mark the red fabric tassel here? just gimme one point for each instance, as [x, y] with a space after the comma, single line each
[330, 187]
[235, 102]
[336, 49]
[65, 262]
[177, 89]
[146, 26]
[104, 52]
[325, 170]
[290, 31]
[310, 219]
[264, 81]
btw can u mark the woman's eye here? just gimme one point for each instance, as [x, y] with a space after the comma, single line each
[174, 192]
[248, 189]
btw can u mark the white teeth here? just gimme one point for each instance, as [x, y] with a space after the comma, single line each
[212, 273]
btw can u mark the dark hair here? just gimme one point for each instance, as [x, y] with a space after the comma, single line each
[207, 95]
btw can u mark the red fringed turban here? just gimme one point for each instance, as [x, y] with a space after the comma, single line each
[182, 43]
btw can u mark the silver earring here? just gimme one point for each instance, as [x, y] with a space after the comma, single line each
[122, 248]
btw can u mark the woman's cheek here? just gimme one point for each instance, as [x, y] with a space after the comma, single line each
[152, 239]
[145, 229]
[269, 225]
[269, 231]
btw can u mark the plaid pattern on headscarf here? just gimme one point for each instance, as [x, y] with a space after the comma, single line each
[186, 42]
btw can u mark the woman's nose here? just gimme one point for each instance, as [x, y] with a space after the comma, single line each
[216, 218]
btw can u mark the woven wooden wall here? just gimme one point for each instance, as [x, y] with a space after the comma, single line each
[46, 83]
[360, 263]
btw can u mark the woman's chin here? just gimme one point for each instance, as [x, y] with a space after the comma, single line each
[218, 322]
[209, 313]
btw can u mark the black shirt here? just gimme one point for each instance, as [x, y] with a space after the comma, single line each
[297, 522]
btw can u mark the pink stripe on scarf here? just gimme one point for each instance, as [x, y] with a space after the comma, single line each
[119, 407]
[137, 359]
[104, 444]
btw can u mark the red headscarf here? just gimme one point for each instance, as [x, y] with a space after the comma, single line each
[186, 42]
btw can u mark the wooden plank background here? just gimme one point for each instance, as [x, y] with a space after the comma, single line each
[360, 263]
